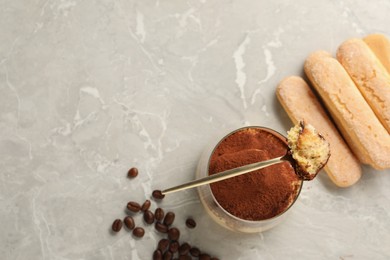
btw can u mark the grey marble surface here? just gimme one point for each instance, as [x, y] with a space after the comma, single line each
[89, 89]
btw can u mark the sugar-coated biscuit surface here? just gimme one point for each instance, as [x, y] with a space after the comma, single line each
[300, 103]
[380, 45]
[369, 75]
[360, 127]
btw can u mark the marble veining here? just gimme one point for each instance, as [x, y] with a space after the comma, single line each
[89, 89]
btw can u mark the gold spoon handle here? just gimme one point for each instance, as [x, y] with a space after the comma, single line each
[225, 175]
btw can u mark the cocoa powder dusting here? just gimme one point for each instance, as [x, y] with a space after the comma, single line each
[260, 194]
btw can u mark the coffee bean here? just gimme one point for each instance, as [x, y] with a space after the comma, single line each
[160, 227]
[146, 205]
[204, 257]
[133, 206]
[159, 214]
[129, 222]
[185, 257]
[214, 258]
[157, 255]
[174, 246]
[168, 255]
[173, 234]
[148, 217]
[169, 218]
[184, 249]
[117, 225]
[138, 232]
[163, 245]
[195, 251]
[157, 194]
[132, 173]
[190, 223]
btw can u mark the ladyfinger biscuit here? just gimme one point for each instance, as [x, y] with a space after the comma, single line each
[358, 124]
[298, 100]
[369, 76]
[380, 45]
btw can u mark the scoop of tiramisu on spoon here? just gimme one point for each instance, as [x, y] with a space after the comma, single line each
[308, 153]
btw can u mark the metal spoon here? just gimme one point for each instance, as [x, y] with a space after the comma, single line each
[230, 173]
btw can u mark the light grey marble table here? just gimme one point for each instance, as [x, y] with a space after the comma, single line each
[89, 89]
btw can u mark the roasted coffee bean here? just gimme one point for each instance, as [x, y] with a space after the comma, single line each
[148, 217]
[157, 194]
[173, 234]
[168, 255]
[160, 227]
[184, 249]
[204, 257]
[117, 225]
[169, 218]
[174, 246]
[146, 205]
[129, 222]
[133, 206]
[159, 214]
[214, 258]
[163, 245]
[195, 251]
[132, 173]
[138, 232]
[190, 223]
[157, 255]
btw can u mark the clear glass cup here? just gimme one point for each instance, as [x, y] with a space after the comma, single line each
[217, 212]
